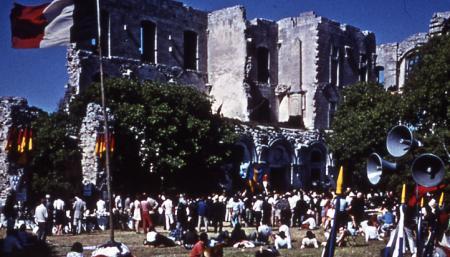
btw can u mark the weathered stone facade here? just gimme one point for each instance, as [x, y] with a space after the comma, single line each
[91, 126]
[14, 114]
[299, 158]
[395, 60]
[258, 70]
[276, 72]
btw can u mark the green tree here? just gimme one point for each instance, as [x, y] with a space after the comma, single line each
[55, 164]
[364, 116]
[426, 95]
[367, 112]
[167, 129]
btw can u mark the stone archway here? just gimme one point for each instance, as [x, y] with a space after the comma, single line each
[279, 157]
[317, 162]
[243, 156]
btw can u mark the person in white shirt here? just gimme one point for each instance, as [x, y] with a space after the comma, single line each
[309, 240]
[283, 238]
[167, 207]
[257, 208]
[370, 231]
[101, 214]
[40, 217]
[310, 221]
[58, 206]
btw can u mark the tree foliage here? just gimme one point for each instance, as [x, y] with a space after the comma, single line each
[359, 128]
[56, 157]
[161, 128]
[367, 112]
[427, 95]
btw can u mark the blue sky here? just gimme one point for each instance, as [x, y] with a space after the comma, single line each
[40, 74]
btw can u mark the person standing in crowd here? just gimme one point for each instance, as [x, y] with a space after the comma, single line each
[257, 210]
[58, 207]
[79, 206]
[182, 217]
[167, 207]
[40, 216]
[217, 213]
[49, 206]
[202, 214]
[145, 208]
[101, 214]
[137, 217]
[153, 209]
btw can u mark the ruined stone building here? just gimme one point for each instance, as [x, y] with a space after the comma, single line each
[396, 60]
[287, 73]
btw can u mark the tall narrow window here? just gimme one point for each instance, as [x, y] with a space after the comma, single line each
[148, 41]
[262, 64]
[410, 62]
[362, 68]
[331, 112]
[300, 67]
[380, 74]
[334, 65]
[190, 50]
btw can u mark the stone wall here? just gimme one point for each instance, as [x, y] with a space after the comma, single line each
[226, 61]
[83, 68]
[91, 126]
[392, 58]
[440, 23]
[317, 57]
[14, 113]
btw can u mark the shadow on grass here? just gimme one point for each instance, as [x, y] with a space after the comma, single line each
[37, 249]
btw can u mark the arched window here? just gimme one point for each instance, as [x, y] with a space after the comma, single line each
[148, 41]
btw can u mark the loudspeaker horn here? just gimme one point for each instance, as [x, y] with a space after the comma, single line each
[400, 141]
[375, 167]
[428, 170]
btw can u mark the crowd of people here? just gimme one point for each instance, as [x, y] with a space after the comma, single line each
[186, 220]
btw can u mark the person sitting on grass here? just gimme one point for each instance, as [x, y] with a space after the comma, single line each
[283, 238]
[76, 250]
[309, 240]
[199, 247]
[370, 231]
[11, 244]
[155, 239]
[262, 235]
[310, 221]
[239, 238]
[176, 233]
[190, 237]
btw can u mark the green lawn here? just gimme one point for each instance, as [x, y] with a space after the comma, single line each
[62, 244]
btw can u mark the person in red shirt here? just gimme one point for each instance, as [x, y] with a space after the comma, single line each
[199, 247]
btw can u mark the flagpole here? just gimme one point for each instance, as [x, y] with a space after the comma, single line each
[419, 222]
[106, 129]
[328, 251]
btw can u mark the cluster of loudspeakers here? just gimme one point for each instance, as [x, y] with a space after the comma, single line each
[427, 169]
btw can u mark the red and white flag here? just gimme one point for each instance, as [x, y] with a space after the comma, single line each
[42, 26]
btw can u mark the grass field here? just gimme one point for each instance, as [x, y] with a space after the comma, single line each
[61, 245]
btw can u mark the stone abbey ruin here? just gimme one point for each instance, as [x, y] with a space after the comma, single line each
[288, 73]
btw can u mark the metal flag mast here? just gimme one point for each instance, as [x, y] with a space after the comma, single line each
[106, 129]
